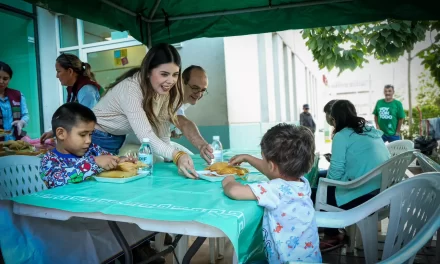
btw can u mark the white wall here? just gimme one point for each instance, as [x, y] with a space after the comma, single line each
[242, 79]
[308, 89]
[52, 97]
[266, 75]
[208, 53]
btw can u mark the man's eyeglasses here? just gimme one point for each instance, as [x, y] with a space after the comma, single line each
[196, 90]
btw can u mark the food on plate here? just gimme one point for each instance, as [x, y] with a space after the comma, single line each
[17, 145]
[117, 174]
[2, 131]
[123, 170]
[130, 166]
[222, 168]
[20, 147]
[217, 166]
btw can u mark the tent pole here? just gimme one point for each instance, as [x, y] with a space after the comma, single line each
[153, 11]
[149, 44]
[124, 10]
[252, 10]
[150, 16]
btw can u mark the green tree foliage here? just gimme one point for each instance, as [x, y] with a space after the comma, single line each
[428, 100]
[347, 47]
[431, 55]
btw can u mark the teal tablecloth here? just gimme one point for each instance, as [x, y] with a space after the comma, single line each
[164, 196]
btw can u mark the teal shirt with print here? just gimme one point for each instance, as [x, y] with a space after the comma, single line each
[388, 115]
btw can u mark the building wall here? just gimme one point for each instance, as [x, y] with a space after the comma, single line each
[267, 83]
[211, 112]
[52, 96]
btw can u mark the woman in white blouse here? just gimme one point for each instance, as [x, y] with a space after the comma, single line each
[145, 101]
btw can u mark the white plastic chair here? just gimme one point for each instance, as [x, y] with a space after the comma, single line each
[19, 175]
[427, 164]
[398, 147]
[414, 214]
[392, 172]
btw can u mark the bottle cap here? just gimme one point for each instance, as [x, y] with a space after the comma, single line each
[145, 140]
[216, 137]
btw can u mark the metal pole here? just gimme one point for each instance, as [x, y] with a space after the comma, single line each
[149, 44]
[153, 11]
[252, 10]
[150, 16]
[232, 12]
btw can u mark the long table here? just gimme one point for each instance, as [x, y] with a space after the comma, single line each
[164, 202]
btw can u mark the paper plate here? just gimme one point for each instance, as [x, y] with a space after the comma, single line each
[119, 180]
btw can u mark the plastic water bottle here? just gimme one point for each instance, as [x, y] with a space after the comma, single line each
[146, 156]
[218, 149]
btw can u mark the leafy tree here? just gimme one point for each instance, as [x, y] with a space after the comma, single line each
[428, 100]
[429, 91]
[347, 47]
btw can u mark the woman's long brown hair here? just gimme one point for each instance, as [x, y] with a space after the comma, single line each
[157, 55]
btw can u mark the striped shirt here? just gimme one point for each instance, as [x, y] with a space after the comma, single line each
[120, 112]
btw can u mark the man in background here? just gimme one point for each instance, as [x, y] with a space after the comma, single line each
[389, 115]
[306, 119]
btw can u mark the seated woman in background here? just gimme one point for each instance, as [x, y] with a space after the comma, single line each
[80, 81]
[14, 114]
[353, 141]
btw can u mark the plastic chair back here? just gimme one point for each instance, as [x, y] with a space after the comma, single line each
[19, 175]
[400, 146]
[394, 170]
[427, 164]
[414, 218]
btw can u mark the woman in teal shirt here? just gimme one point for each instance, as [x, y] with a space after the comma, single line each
[356, 150]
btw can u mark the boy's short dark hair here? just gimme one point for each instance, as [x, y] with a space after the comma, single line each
[290, 147]
[69, 114]
[328, 106]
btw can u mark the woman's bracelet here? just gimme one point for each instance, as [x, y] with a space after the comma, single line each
[178, 156]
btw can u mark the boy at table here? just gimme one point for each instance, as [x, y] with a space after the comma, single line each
[74, 159]
[289, 226]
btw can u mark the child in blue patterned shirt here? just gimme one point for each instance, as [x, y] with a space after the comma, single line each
[289, 226]
[74, 159]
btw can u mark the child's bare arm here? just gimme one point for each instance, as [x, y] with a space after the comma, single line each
[255, 162]
[237, 191]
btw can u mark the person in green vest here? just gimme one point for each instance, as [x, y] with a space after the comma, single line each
[14, 114]
[389, 115]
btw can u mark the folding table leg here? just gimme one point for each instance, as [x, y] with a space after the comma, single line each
[159, 241]
[437, 247]
[121, 241]
[193, 250]
[181, 249]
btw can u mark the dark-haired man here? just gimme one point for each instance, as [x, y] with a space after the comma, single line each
[388, 115]
[195, 85]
